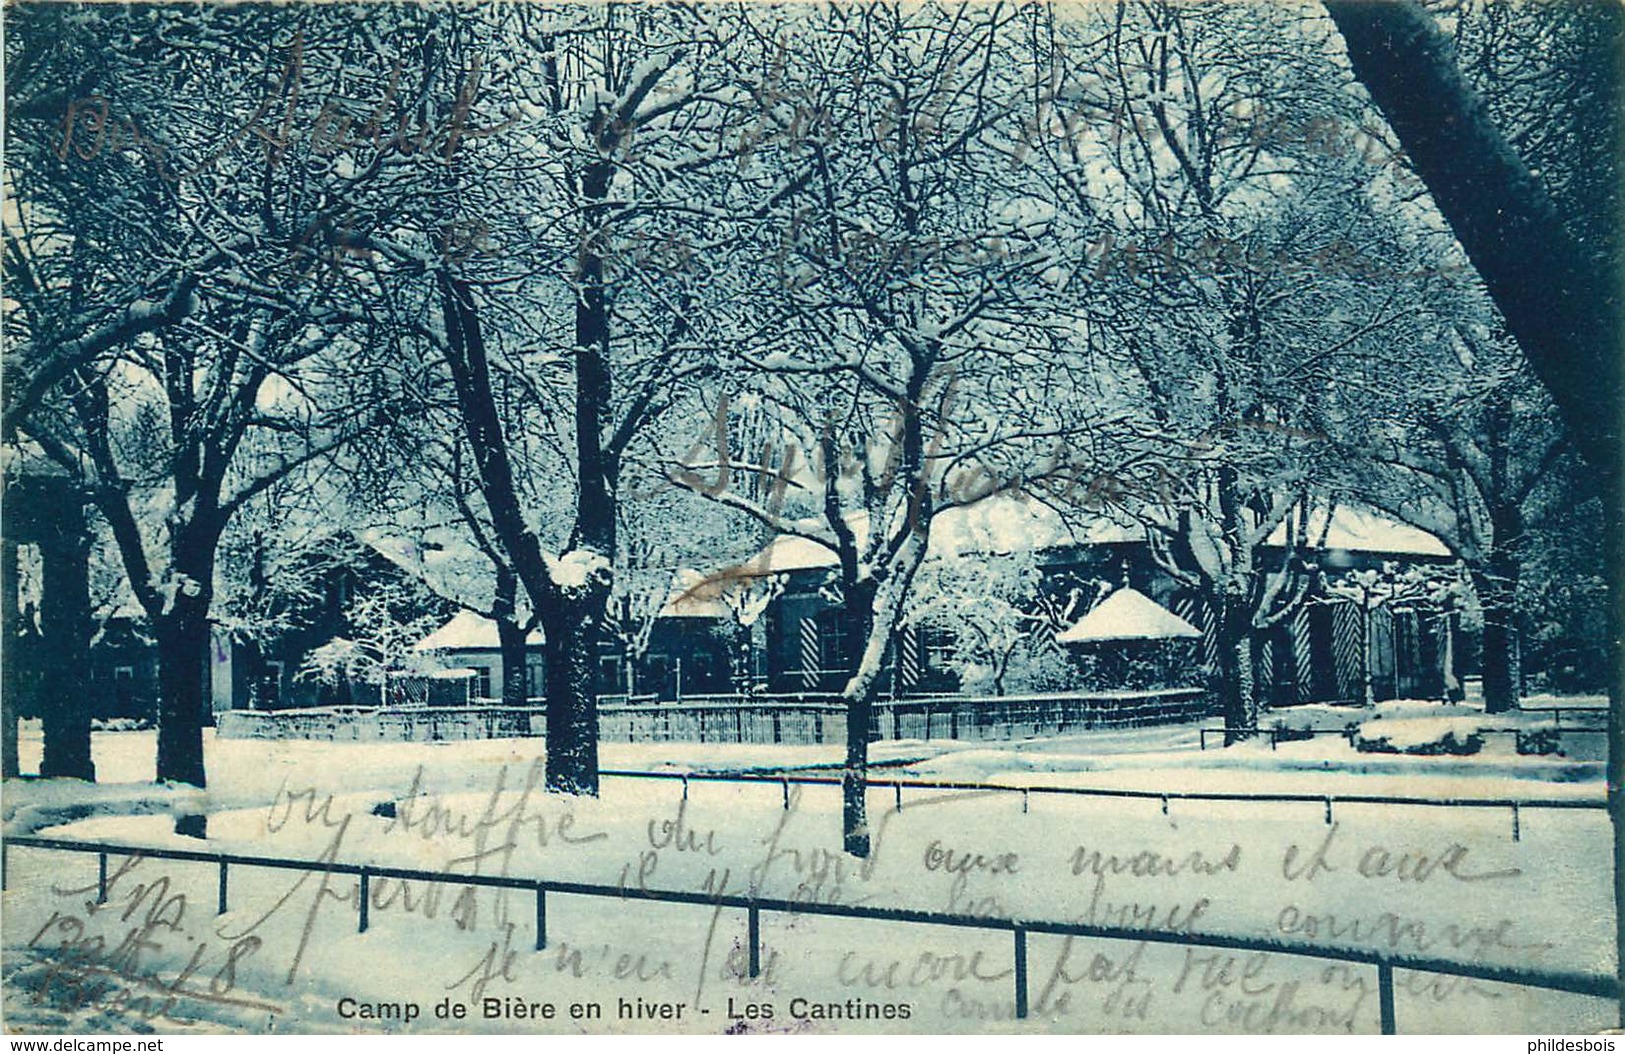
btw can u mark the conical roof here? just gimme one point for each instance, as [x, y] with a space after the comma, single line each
[1128, 614]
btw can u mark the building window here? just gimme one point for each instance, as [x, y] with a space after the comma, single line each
[833, 643]
[609, 674]
[269, 690]
[482, 682]
[941, 649]
[123, 687]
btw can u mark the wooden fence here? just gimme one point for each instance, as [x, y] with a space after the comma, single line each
[819, 720]
[403, 724]
[800, 719]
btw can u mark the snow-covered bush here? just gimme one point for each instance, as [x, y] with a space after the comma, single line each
[1539, 741]
[120, 724]
[1420, 736]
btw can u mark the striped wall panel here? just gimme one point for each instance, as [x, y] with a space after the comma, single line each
[1264, 675]
[908, 666]
[1346, 649]
[809, 651]
[1194, 610]
[1303, 652]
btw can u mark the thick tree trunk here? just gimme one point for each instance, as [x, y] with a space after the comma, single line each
[855, 776]
[183, 654]
[572, 721]
[1502, 670]
[65, 629]
[1614, 569]
[510, 639]
[1235, 687]
[858, 614]
[1558, 303]
[572, 701]
[10, 682]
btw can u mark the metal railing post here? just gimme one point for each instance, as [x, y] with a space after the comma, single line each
[101, 878]
[541, 916]
[366, 890]
[1385, 996]
[753, 926]
[1021, 973]
[220, 905]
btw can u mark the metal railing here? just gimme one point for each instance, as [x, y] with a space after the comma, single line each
[1288, 734]
[1598, 985]
[786, 780]
[1598, 713]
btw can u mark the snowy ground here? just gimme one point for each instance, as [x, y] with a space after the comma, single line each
[1442, 882]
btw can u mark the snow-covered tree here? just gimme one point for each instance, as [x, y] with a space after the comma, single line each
[386, 623]
[910, 260]
[144, 137]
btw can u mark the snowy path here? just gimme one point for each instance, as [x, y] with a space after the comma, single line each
[1444, 882]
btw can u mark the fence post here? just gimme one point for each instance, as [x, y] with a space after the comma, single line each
[1024, 799]
[1385, 995]
[1021, 973]
[1516, 831]
[897, 790]
[685, 779]
[1328, 809]
[101, 878]
[541, 916]
[220, 907]
[5, 867]
[366, 890]
[786, 783]
[753, 925]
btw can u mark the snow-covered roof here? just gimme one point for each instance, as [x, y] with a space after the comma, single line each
[692, 595]
[468, 631]
[1127, 614]
[1365, 531]
[1007, 523]
[1000, 524]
